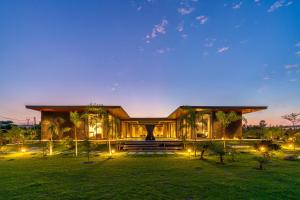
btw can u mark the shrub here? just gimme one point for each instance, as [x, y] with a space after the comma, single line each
[203, 147]
[68, 143]
[219, 150]
[262, 160]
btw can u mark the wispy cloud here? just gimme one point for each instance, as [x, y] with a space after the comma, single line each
[293, 80]
[297, 44]
[266, 78]
[185, 11]
[202, 19]
[157, 29]
[209, 42]
[291, 66]
[298, 53]
[179, 28]
[237, 6]
[223, 49]
[164, 50]
[278, 4]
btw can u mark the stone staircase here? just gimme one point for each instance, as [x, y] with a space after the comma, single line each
[151, 146]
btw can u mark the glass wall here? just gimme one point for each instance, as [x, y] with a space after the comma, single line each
[99, 130]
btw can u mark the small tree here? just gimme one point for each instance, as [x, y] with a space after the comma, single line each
[262, 125]
[262, 160]
[219, 150]
[87, 146]
[16, 135]
[2, 137]
[293, 118]
[203, 147]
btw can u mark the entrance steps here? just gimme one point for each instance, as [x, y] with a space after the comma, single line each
[151, 146]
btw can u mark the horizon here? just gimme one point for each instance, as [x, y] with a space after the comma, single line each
[150, 56]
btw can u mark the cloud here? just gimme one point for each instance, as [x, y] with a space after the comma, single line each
[278, 4]
[298, 53]
[164, 50]
[291, 66]
[297, 44]
[266, 78]
[180, 27]
[237, 6]
[209, 42]
[185, 11]
[293, 80]
[223, 49]
[157, 29]
[202, 19]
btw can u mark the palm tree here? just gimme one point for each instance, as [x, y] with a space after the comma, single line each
[53, 130]
[76, 120]
[191, 120]
[56, 129]
[225, 119]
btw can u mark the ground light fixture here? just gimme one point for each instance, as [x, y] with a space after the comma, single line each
[23, 150]
[262, 149]
[189, 151]
[112, 151]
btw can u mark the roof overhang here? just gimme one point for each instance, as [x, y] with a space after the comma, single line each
[182, 110]
[117, 111]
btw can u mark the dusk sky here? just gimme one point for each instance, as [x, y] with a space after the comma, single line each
[150, 56]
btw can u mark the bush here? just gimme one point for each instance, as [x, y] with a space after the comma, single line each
[262, 160]
[268, 144]
[68, 143]
[219, 150]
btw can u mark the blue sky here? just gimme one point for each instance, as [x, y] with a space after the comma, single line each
[150, 56]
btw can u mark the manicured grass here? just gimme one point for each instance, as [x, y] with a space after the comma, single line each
[146, 177]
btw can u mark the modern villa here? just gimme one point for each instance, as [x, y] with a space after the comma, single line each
[122, 126]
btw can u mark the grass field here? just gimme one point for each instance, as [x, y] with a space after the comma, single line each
[146, 177]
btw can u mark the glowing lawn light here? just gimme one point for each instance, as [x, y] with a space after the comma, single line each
[290, 145]
[262, 148]
[189, 151]
[113, 151]
[23, 150]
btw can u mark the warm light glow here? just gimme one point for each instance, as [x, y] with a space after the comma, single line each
[291, 145]
[262, 148]
[113, 151]
[189, 150]
[23, 150]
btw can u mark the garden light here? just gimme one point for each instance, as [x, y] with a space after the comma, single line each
[262, 148]
[23, 150]
[113, 151]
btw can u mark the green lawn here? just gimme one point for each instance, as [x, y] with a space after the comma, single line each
[146, 177]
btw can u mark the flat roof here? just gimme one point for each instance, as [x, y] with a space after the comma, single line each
[119, 112]
[181, 110]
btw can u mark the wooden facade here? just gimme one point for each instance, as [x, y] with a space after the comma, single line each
[122, 126]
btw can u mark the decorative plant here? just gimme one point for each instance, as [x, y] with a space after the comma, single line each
[87, 146]
[219, 150]
[262, 160]
[203, 147]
